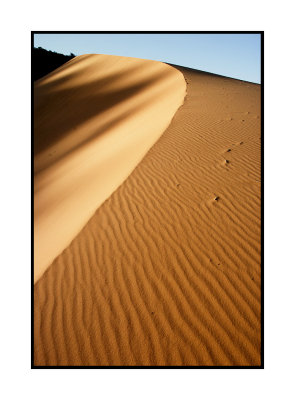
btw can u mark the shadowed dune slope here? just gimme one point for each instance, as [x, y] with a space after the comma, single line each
[167, 271]
[94, 120]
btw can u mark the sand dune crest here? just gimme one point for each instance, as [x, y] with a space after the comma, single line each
[167, 271]
[95, 119]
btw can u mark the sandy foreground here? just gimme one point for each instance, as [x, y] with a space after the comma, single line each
[146, 254]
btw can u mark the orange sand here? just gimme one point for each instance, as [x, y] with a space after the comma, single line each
[95, 119]
[167, 270]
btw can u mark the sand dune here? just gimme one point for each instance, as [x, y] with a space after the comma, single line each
[167, 271]
[95, 119]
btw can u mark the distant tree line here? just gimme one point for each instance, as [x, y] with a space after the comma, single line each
[46, 61]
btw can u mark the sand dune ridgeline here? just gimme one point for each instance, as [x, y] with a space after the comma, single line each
[95, 119]
[167, 271]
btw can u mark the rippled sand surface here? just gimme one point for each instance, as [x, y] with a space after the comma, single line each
[167, 269]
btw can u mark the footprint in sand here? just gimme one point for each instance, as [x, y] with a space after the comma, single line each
[216, 264]
[229, 149]
[226, 119]
[213, 200]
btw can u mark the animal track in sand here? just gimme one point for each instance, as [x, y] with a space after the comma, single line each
[236, 144]
[226, 119]
[216, 263]
[224, 163]
[213, 200]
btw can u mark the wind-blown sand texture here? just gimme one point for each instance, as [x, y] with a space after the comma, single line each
[167, 271]
[95, 119]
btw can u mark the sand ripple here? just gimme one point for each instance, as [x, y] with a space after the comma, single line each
[167, 271]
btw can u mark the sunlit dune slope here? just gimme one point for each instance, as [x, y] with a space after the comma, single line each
[94, 119]
[168, 270]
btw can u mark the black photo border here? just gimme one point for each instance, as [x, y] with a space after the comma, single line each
[261, 366]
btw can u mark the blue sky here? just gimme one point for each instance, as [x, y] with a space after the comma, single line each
[233, 55]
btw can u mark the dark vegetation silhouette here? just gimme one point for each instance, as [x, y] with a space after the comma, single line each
[46, 61]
